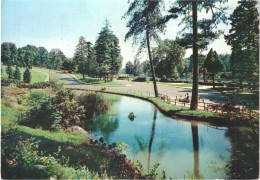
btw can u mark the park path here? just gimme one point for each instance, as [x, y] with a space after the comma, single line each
[70, 81]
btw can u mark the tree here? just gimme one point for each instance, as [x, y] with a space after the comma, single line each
[56, 57]
[244, 40]
[17, 73]
[9, 53]
[170, 58]
[202, 31]
[108, 52]
[137, 70]
[42, 57]
[68, 65]
[129, 68]
[143, 27]
[9, 72]
[27, 76]
[212, 64]
[28, 59]
[146, 68]
[81, 54]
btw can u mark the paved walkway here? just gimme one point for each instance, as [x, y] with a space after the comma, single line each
[70, 81]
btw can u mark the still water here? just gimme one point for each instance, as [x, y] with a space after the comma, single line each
[183, 149]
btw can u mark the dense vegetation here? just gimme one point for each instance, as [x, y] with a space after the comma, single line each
[38, 139]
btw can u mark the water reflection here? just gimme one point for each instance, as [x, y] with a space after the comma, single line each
[183, 149]
[195, 140]
[151, 138]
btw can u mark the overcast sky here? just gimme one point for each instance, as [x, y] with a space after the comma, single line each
[60, 23]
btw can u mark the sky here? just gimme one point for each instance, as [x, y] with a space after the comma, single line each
[60, 23]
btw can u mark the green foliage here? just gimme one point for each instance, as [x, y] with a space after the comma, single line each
[123, 77]
[56, 57]
[107, 52]
[67, 114]
[36, 97]
[37, 85]
[94, 103]
[30, 163]
[17, 73]
[212, 64]
[9, 72]
[129, 68]
[40, 115]
[243, 38]
[9, 53]
[69, 65]
[27, 76]
[140, 79]
[169, 59]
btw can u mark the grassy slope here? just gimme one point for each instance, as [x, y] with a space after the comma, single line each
[36, 75]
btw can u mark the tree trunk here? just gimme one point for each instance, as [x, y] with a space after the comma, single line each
[213, 79]
[204, 74]
[150, 57]
[194, 97]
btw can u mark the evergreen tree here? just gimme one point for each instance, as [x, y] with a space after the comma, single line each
[129, 68]
[197, 33]
[107, 52]
[81, 55]
[17, 73]
[212, 64]
[244, 40]
[143, 27]
[9, 72]
[27, 76]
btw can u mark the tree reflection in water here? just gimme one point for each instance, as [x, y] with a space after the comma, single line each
[143, 144]
[195, 140]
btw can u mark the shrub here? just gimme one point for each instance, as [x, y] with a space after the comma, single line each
[36, 97]
[94, 103]
[7, 82]
[38, 85]
[56, 84]
[9, 72]
[67, 114]
[27, 76]
[39, 115]
[30, 163]
[123, 77]
[17, 73]
[63, 95]
[139, 79]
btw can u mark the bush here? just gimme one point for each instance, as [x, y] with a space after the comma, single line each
[36, 97]
[39, 115]
[123, 77]
[94, 103]
[38, 85]
[17, 73]
[27, 76]
[9, 72]
[7, 82]
[139, 79]
[30, 163]
[67, 114]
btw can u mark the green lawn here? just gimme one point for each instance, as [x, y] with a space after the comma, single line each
[36, 75]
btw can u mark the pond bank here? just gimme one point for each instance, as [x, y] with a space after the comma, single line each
[181, 112]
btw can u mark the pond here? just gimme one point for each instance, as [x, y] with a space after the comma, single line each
[184, 149]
